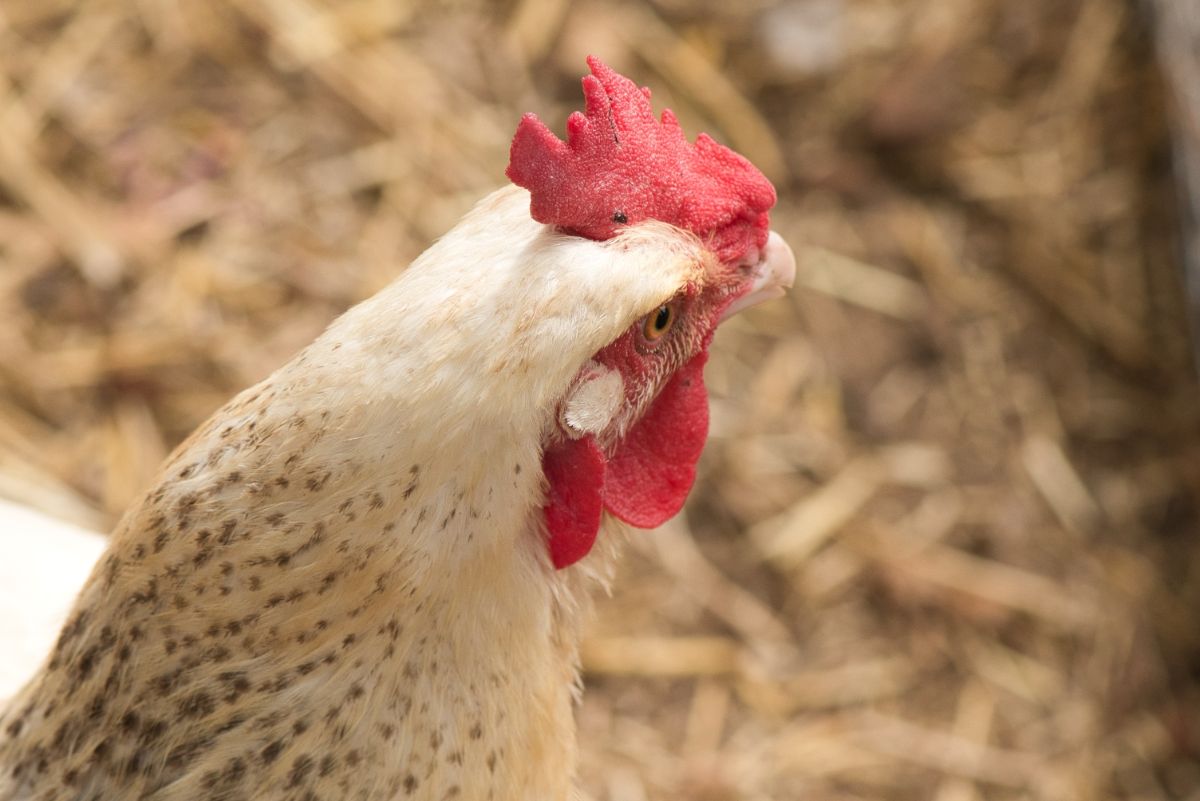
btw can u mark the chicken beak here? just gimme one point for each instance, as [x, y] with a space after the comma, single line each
[774, 275]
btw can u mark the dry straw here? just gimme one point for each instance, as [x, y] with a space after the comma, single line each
[945, 539]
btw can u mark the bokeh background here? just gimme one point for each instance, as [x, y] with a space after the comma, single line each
[944, 545]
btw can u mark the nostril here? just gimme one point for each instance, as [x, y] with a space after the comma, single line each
[752, 258]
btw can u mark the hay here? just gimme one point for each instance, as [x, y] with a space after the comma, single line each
[944, 540]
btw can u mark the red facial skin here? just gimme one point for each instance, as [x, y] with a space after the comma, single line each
[645, 465]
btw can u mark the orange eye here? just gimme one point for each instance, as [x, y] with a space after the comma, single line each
[658, 322]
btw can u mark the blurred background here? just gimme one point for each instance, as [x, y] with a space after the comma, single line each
[944, 544]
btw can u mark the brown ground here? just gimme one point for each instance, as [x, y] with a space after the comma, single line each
[945, 541]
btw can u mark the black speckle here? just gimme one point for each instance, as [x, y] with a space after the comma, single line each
[300, 769]
[197, 705]
[314, 484]
[236, 681]
[620, 218]
[87, 663]
[151, 731]
[100, 751]
[271, 752]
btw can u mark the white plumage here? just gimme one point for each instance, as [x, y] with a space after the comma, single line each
[43, 563]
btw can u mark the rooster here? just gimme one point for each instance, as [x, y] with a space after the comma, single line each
[365, 577]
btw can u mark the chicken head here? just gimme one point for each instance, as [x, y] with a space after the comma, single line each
[634, 423]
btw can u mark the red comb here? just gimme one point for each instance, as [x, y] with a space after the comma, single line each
[620, 165]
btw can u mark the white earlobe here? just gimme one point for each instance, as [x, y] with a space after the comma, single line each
[592, 401]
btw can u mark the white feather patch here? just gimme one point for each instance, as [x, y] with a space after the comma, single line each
[43, 563]
[590, 405]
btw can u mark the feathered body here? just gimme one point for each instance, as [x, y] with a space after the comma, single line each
[369, 508]
[365, 577]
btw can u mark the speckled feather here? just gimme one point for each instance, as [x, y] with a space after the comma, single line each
[338, 587]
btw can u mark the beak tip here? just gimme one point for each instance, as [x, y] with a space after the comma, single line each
[776, 275]
[780, 267]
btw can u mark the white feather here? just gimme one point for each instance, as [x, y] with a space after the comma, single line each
[592, 402]
[43, 563]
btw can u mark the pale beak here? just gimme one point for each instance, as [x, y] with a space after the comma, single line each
[774, 275]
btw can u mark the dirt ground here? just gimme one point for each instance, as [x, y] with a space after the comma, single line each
[944, 544]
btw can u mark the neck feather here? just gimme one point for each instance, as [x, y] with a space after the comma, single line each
[339, 583]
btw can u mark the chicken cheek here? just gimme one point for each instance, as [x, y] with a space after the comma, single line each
[644, 483]
[654, 467]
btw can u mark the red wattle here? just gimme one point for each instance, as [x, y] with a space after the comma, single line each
[646, 481]
[575, 472]
[654, 467]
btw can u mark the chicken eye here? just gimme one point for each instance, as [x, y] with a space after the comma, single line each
[659, 322]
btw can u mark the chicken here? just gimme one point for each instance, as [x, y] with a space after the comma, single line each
[366, 576]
